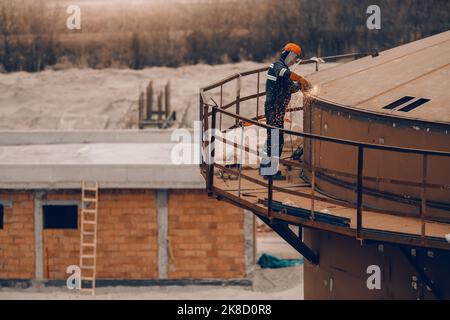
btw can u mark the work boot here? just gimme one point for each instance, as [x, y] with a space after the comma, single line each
[278, 176]
[297, 154]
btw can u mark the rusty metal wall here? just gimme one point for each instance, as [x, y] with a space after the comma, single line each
[342, 273]
[323, 119]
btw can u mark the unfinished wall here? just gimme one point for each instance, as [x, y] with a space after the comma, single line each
[206, 237]
[17, 236]
[205, 240]
[127, 231]
[127, 235]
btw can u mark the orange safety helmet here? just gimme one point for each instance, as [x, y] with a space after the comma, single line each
[292, 47]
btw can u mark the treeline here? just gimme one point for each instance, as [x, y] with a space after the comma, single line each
[33, 33]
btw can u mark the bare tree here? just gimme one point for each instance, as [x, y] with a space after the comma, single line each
[8, 14]
[33, 34]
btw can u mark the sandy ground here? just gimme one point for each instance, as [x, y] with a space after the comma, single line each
[268, 284]
[108, 99]
[98, 99]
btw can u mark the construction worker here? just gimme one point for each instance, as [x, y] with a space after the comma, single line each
[280, 85]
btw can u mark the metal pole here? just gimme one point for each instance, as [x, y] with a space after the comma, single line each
[205, 125]
[221, 104]
[212, 146]
[149, 101]
[241, 160]
[160, 108]
[359, 191]
[313, 180]
[270, 198]
[270, 182]
[205, 117]
[238, 97]
[167, 99]
[257, 107]
[423, 208]
[202, 122]
[142, 112]
[257, 97]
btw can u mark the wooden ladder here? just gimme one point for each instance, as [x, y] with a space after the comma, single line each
[88, 235]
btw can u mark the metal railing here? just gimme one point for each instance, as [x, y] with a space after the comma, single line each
[210, 111]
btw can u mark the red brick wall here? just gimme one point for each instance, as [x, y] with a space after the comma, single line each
[206, 237]
[127, 235]
[127, 238]
[17, 237]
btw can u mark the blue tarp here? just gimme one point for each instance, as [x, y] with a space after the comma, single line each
[272, 262]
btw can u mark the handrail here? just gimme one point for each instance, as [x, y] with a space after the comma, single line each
[207, 110]
[264, 69]
[334, 140]
[339, 173]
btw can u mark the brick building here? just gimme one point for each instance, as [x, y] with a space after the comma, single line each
[155, 222]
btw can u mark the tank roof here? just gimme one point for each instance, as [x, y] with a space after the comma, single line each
[410, 81]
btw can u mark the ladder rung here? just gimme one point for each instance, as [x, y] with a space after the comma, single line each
[87, 267]
[91, 219]
[89, 213]
[88, 233]
[90, 222]
[84, 198]
[89, 199]
[88, 210]
[88, 244]
[88, 278]
[85, 218]
[87, 256]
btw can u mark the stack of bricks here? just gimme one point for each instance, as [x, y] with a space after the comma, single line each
[206, 237]
[17, 237]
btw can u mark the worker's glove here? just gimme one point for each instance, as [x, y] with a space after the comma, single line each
[305, 84]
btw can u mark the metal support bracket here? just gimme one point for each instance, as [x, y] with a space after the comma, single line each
[283, 230]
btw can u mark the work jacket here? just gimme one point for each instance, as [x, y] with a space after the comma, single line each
[279, 87]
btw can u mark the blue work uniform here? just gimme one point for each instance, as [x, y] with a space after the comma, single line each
[279, 88]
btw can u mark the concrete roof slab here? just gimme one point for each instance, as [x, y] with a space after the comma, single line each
[60, 161]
